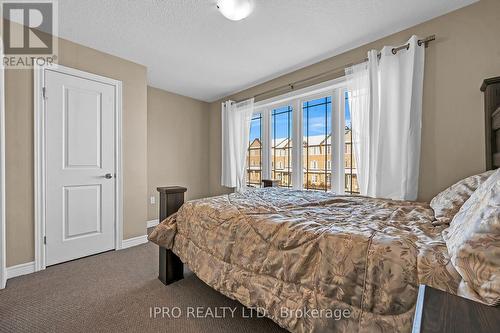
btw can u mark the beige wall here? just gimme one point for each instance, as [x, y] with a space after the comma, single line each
[467, 50]
[19, 145]
[177, 145]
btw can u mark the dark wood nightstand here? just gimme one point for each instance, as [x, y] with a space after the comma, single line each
[270, 182]
[438, 311]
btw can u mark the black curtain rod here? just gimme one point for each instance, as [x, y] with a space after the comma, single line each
[339, 70]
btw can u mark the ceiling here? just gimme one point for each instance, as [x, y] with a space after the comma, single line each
[189, 48]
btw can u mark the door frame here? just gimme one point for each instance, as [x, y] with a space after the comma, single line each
[40, 162]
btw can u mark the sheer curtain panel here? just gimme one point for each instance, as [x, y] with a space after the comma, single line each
[236, 119]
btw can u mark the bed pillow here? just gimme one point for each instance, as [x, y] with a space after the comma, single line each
[473, 242]
[447, 203]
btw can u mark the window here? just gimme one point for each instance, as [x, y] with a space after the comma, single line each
[351, 178]
[317, 120]
[254, 155]
[281, 149]
[303, 139]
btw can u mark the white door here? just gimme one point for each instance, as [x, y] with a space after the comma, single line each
[80, 167]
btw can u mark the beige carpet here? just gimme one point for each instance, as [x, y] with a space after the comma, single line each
[113, 292]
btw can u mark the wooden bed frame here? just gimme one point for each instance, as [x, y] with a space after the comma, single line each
[171, 268]
[491, 89]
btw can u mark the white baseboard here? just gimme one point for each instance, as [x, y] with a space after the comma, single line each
[152, 223]
[29, 267]
[134, 241]
[21, 269]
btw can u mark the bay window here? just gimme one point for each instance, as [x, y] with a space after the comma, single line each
[303, 139]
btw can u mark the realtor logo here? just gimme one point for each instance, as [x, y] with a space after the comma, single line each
[28, 31]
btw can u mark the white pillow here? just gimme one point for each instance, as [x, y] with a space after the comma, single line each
[473, 242]
[447, 203]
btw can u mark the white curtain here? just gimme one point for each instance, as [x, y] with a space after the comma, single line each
[358, 85]
[385, 96]
[236, 120]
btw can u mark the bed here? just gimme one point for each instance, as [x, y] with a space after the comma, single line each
[318, 262]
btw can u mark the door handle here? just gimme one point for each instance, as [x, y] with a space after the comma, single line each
[108, 176]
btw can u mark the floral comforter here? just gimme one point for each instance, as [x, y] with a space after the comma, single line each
[311, 261]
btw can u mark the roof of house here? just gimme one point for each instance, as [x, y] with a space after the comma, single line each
[313, 140]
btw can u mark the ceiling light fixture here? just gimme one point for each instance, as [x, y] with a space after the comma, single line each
[235, 10]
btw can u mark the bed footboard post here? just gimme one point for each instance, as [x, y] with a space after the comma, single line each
[170, 268]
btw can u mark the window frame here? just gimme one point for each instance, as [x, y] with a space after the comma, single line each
[269, 114]
[304, 100]
[255, 115]
[336, 89]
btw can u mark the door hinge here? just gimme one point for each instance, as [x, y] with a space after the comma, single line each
[44, 93]
[44, 239]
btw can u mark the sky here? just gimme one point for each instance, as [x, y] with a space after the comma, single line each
[316, 124]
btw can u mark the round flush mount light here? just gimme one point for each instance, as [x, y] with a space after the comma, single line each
[235, 10]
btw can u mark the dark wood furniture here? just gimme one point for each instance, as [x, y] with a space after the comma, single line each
[491, 89]
[270, 182]
[170, 268]
[438, 311]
